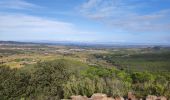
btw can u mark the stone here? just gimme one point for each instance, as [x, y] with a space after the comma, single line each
[98, 96]
[151, 97]
[131, 96]
[119, 98]
[161, 98]
[79, 97]
[109, 98]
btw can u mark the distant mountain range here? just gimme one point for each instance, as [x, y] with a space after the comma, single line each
[86, 44]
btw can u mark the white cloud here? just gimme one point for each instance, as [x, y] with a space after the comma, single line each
[20, 26]
[90, 4]
[123, 15]
[17, 4]
[26, 24]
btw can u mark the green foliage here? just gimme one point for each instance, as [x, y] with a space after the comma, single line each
[97, 79]
[13, 84]
[141, 77]
[45, 82]
[94, 71]
[142, 60]
[60, 79]
[87, 86]
[49, 77]
[145, 83]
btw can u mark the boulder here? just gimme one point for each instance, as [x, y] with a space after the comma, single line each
[98, 96]
[109, 98]
[131, 96]
[151, 97]
[119, 98]
[161, 98]
[79, 97]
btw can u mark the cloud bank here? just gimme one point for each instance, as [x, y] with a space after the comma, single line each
[124, 15]
[20, 23]
[17, 4]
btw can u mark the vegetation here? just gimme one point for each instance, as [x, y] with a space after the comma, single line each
[55, 79]
[147, 61]
[45, 81]
[60, 72]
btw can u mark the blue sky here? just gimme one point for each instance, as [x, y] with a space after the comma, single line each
[126, 21]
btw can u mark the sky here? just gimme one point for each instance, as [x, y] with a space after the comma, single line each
[111, 21]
